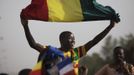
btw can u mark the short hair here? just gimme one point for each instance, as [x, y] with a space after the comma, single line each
[3, 74]
[116, 49]
[63, 34]
[25, 71]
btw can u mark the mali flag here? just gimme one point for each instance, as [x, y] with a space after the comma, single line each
[68, 11]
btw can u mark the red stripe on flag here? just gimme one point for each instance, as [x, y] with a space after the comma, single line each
[80, 52]
[72, 72]
[36, 72]
[37, 10]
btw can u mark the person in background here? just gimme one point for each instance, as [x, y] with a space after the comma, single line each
[3, 74]
[119, 65]
[25, 71]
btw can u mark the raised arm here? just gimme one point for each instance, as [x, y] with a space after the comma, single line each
[29, 37]
[99, 37]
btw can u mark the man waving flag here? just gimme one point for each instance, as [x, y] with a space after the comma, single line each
[68, 11]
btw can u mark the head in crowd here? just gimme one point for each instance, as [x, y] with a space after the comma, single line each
[25, 71]
[119, 54]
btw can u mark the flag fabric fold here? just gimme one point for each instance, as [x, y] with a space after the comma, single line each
[49, 55]
[68, 65]
[68, 11]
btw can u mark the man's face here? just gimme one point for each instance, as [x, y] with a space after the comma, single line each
[119, 55]
[68, 41]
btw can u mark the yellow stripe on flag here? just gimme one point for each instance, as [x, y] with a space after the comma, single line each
[37, 66]
[64, 10]
[67, 54]
[76, 67]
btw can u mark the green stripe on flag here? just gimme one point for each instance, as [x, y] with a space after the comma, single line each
[95, 11]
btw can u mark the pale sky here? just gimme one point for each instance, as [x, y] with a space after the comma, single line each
[15, 53]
